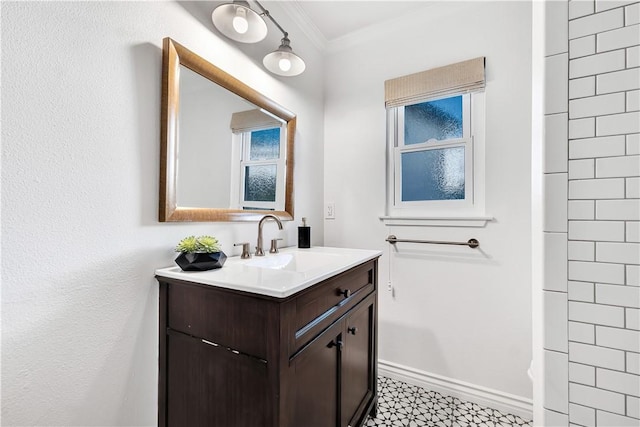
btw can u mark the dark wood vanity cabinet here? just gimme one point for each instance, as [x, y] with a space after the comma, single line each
[230, 358]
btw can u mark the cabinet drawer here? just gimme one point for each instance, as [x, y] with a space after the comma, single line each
[323, 304]
[236, 321]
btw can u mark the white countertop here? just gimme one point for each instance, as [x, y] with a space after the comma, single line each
[277, 275]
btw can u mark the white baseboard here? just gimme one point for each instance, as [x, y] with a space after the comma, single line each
[504, 402]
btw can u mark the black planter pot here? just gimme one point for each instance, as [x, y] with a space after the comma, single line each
[201, 261]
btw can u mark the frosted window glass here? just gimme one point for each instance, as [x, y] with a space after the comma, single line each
[440, 120]
[265, 144]
[436, 174]
[260, 183]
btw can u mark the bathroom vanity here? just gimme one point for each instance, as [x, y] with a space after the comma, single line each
[284, 340]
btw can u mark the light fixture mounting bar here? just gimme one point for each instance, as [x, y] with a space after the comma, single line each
[267, 14]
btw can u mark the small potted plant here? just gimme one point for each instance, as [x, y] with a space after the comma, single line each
[200, 253]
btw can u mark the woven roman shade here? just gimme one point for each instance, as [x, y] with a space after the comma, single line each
[246, 121]
[462, 77]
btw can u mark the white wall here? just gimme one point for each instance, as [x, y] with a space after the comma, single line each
[458, 314]
[205, 143]
[80, 236]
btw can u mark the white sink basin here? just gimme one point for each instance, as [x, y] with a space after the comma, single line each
[277, 275]
[299, 261]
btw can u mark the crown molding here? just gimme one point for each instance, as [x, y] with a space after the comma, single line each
[301, 19]
[372, 32]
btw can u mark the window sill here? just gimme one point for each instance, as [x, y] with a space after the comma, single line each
[438, 221]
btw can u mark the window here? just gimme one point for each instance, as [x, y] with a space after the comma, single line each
[258, 161]
[434, 153]
[435, 156]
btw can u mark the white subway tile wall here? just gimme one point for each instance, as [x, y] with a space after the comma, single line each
[633, 275]
[579, 88]
[633, 56]
[555, 334]
[583, 46]
[556, 86]
[618, 123]
[582, 374]
[597, 398]
[581, 251]
[582, 332]
[633, 144]
[556, 154]
[618, 81]
[582, 169]
[556, 15]
[633, 100]
[581, 291]
[618, 166]
[555, 249]
[582, 415]
[556, 396]
[633, 406]
[593, 24]
[582, 209]
[633, 231]
[593, 147]
[608, 419]
[580, 8]
[597, 64]
[632, 318]
[633, 363]
[582, 128]
[555, 218]
[602, 315]
[633, 187]
[611, 4]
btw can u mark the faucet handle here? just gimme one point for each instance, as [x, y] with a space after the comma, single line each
[245, 250]
[274, 246]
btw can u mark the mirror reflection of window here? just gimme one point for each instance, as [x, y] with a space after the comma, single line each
[260, 165]
[261, 168]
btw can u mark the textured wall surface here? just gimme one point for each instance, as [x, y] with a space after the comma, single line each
[592, 289]
[80, 160]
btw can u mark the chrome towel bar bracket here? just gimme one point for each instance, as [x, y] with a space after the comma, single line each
[472, 243]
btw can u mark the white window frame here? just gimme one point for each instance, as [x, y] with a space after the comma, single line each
[473, 141]
[240, 160]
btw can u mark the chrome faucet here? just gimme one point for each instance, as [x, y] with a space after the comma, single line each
[259, 251]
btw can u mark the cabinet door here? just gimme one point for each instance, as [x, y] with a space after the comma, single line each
[317, 380]
[211, 386]
[358, 364]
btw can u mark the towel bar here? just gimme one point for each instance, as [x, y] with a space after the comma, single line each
[472, 243]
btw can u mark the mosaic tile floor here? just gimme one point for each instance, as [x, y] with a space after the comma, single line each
[404, 405]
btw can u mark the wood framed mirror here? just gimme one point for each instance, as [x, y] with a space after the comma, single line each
[211, 127]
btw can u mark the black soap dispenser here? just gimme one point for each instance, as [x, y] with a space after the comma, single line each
[304, 235]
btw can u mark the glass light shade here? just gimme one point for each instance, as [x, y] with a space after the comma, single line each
[283, 61]
[239, 22]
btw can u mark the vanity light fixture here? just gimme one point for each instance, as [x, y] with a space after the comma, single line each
[283, 61]
[239, 22]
